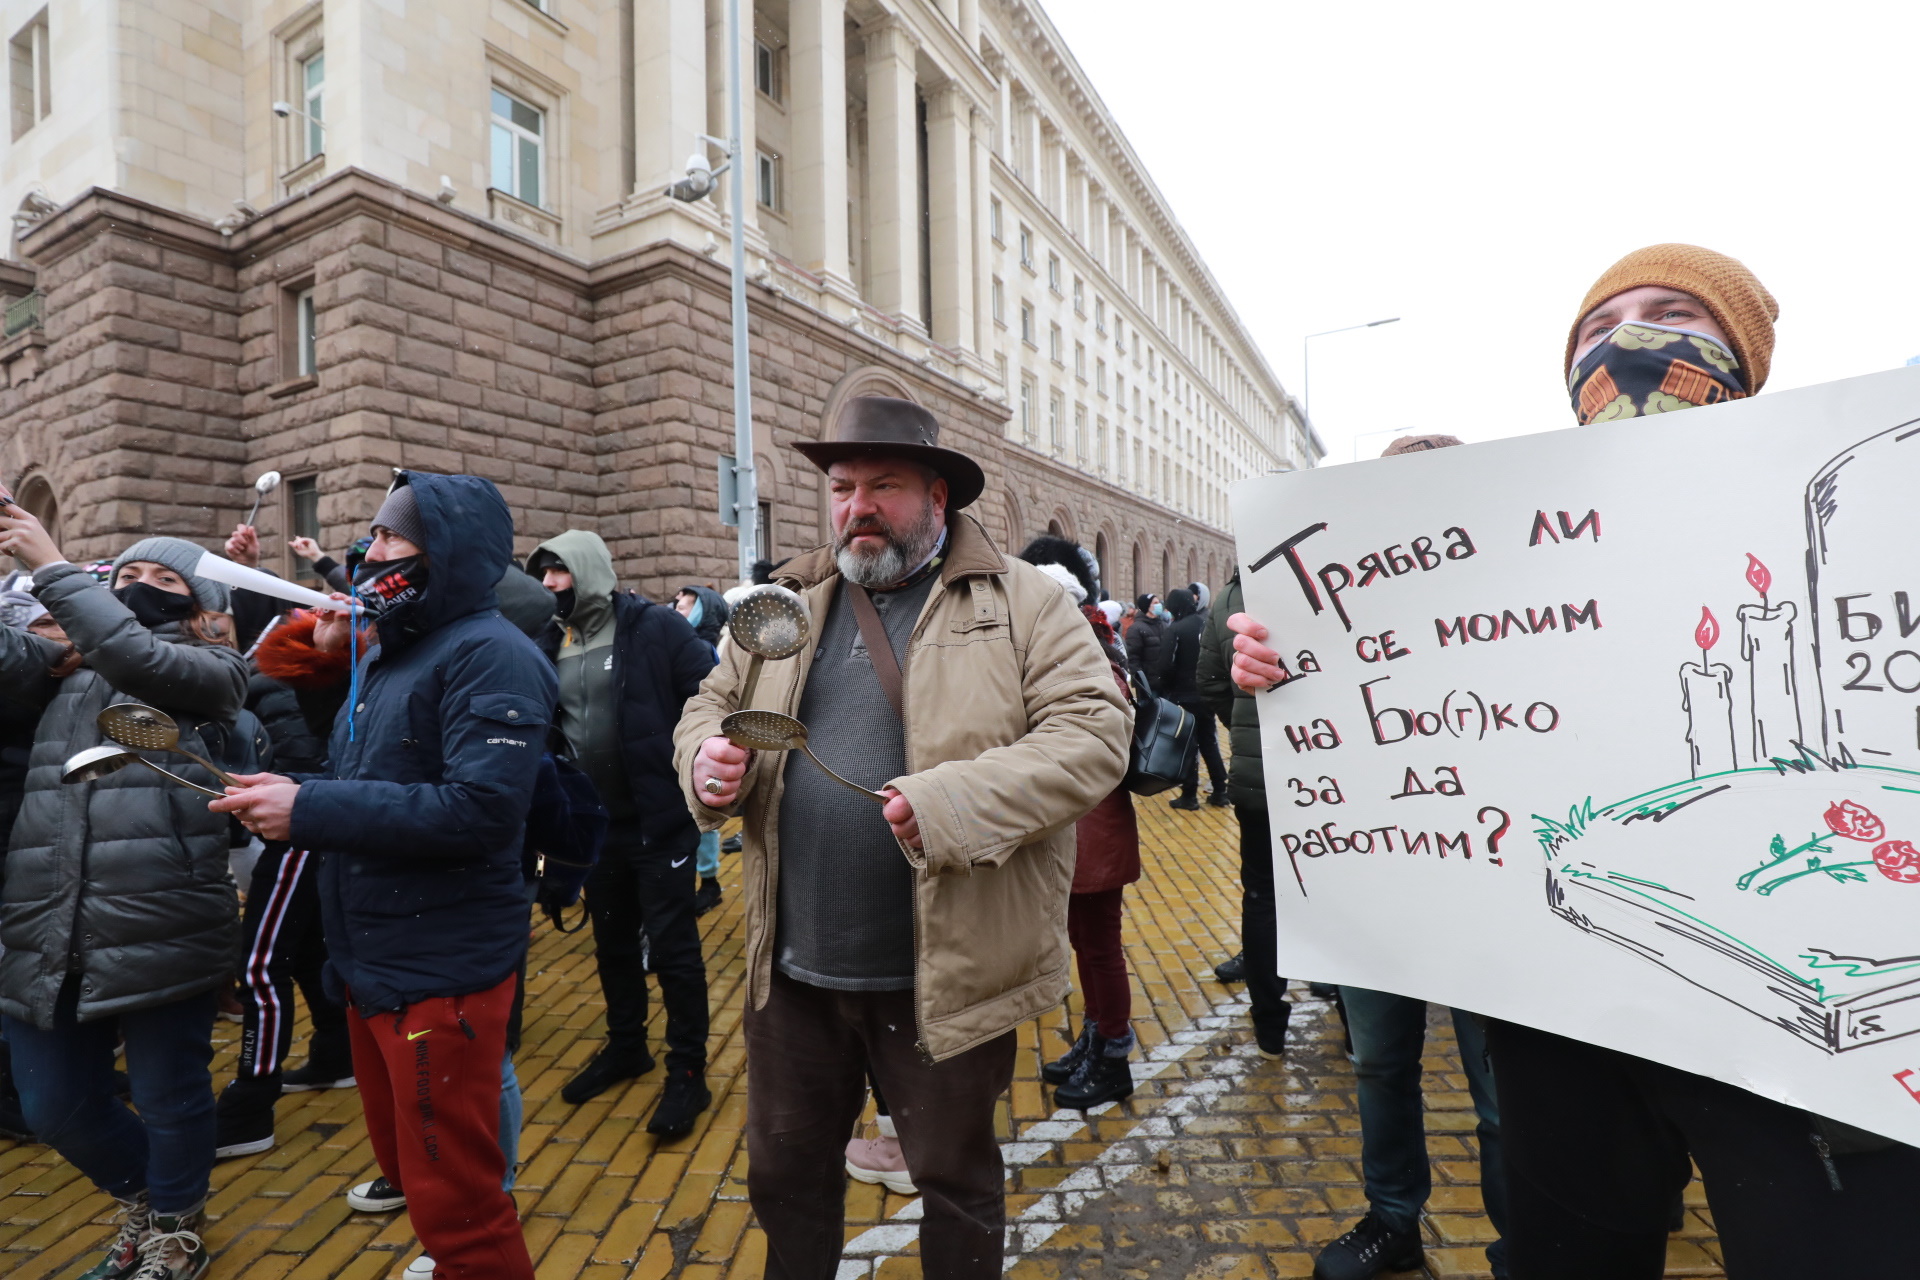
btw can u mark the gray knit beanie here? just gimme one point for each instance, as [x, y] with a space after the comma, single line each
[401, 513]
[183, 558]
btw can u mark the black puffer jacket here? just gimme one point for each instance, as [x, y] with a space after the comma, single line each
[122, 881]
[1147, 648]
[297, 746]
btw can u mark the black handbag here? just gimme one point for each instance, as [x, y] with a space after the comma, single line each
[1164, 740]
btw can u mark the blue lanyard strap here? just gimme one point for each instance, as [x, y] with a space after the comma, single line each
[353, 669]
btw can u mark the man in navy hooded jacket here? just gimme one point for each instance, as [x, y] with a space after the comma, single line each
[433, 763]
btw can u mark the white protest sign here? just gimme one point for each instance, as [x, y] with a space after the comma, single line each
[1615, 731]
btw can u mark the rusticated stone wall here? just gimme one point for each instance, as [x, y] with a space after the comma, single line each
[165, 379]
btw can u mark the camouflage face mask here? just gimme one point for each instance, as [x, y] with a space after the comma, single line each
[1641, 368]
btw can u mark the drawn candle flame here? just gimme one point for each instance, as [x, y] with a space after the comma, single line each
[1758, 577]
[1707, 634]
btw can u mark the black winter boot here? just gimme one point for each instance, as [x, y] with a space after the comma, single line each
[1061, 1069]
[1104, 1076]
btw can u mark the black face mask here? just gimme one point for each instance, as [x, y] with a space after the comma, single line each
[152, 606]
[382, 586]
[563, 603]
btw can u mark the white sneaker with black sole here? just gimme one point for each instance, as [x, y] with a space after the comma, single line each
[310, 1076]
[421, 1268]
[378, 1196]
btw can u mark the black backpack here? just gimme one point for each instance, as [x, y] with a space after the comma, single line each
[1164, 740]
[566, 826]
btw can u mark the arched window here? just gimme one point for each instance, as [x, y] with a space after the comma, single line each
[1166, 569]
[36, 495]
[1139, 572]
[1101, 566]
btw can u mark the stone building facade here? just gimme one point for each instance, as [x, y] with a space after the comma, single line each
[201, 290]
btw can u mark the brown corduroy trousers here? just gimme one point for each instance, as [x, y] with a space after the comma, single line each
[808, 1053]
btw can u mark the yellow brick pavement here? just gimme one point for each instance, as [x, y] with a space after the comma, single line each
[1222, 1164]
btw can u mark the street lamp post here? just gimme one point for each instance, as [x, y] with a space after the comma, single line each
[1306, 367]
[743, 493]
[746, 480]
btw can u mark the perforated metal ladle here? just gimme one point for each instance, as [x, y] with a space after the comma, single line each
[98, 762]
[768, 622]
[771, 731]
[134, 724]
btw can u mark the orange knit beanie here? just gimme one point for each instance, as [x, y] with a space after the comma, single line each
[1736, 298]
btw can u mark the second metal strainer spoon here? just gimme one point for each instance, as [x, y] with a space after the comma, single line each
[134, 724]
[768, 622]
[98, 762]
[771, 731]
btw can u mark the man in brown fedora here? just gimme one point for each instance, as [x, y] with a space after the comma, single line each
[909, 939]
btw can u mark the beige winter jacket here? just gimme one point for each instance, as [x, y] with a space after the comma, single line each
[1014, 728]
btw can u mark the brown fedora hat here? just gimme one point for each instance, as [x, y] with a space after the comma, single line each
[883, 427]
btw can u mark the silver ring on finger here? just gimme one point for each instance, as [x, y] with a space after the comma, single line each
[712, 786]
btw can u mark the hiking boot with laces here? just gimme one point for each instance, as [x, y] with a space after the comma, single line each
[1104, 1075]
[123, 1255]
[1370, 1248]
[173, 1249]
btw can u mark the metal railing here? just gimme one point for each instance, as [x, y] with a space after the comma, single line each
[24, 313]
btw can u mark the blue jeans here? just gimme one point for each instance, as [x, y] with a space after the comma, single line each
[708, 865]
[65, 1077]
[1389, 1034]
[512, 1105]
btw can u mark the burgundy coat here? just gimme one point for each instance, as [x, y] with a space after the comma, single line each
[1107, 839]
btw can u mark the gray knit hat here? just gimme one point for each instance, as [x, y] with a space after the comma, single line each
[401, 513]
[183, 558]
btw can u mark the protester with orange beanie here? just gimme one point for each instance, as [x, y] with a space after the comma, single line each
[1599, 1144]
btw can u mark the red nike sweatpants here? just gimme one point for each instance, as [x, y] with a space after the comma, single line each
[430, 1084]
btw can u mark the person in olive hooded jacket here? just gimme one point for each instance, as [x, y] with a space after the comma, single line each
[627, 667]
[421, 817]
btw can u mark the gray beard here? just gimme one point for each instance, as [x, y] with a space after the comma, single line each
[903, 553]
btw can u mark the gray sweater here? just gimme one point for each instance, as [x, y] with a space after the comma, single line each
[846, 891]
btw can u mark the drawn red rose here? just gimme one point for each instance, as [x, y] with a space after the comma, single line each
[1854, 821]
[1898, 860]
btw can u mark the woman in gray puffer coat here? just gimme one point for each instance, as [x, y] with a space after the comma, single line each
[117, 906]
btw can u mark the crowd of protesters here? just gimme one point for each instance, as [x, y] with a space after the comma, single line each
[405, 781]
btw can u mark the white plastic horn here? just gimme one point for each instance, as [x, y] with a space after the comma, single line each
[221, 569]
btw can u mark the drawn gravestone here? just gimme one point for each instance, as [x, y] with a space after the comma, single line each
[1861, 511]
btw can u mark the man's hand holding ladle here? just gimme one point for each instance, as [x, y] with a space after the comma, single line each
[717, 772]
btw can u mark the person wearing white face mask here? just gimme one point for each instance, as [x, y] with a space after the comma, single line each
[1599, 1144]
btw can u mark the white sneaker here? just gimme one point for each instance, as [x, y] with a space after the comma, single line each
[378, 1196]
[421, 1268]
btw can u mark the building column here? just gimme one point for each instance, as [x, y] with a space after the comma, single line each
[969, 24]
[893, 166]
[669, 92]
[950, 213]
[982, 127]
[817, 165]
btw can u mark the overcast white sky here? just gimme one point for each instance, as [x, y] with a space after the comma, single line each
[1472, 167]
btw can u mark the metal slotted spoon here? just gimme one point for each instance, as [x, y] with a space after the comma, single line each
[98, 762]
[134, 724]
[768, 622]
[771, 731]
